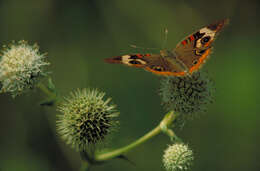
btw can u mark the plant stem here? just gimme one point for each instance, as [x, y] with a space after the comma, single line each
[51, 121]
[162, 127]
[85, 166]
[166, 121]
[46, 91]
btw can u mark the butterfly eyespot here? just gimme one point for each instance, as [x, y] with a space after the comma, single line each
[134, 62]
[205, 39]
[195, 62]
[202, 51]
[157, 68]
[199, 53]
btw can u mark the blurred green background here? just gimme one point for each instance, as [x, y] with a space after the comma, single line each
[78, 35]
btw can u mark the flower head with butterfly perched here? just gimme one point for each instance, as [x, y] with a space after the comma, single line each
[188, 56]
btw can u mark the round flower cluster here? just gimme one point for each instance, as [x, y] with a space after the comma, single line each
[177, 157]
[187, 95]
[86, 118]
[21, 66]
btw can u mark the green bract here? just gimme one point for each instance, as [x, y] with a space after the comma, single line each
[86, 118]
[21, 65]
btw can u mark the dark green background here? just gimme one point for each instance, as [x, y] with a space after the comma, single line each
[78, 35]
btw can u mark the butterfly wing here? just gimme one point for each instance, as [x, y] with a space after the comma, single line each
[186, 58]
[154, 63]
[195, 49]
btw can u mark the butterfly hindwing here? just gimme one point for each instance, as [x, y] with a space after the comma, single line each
[195, 49]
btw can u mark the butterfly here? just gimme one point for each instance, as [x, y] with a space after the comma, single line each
[188, 56]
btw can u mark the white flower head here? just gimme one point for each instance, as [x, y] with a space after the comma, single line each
[177, 157]
[21, 66]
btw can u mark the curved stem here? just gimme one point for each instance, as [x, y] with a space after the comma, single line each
[162, 127]
[167, 120]
[50, 119]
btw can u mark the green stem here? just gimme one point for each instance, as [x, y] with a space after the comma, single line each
[162, 127]
[46, 91]
[51, 120]
[167, 120]
[85, 166]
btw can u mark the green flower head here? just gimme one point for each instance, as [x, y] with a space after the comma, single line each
[86, 118]
[188, 95]
[21, 66]
[177, 157]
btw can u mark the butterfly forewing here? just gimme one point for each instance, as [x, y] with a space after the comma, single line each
[154, 63]
[195, 49]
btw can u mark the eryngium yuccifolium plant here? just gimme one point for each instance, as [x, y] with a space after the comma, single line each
[21, 66]
[188, 95]
[177, 157]
[86, 118]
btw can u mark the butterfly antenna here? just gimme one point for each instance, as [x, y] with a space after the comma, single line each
[165, 38]
[139, 47]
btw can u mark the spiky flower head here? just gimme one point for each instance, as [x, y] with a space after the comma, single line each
[188, 95]
[86, 119]
[177, 157]
[21, 66]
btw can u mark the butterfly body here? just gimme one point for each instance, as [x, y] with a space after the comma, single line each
[187, 57]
